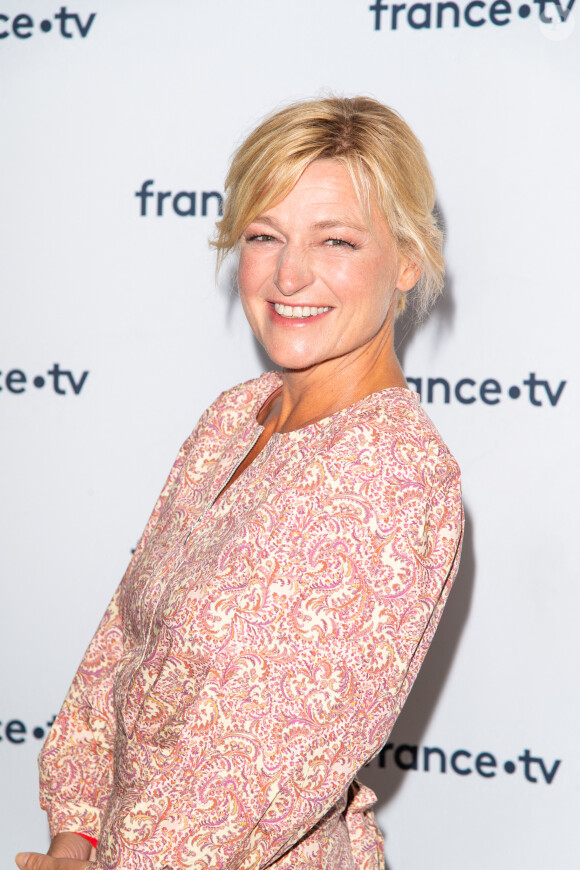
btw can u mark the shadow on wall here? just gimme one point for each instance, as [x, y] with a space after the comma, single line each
[442, 315]
[424, 696]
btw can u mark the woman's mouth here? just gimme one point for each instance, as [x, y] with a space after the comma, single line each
[298, 311]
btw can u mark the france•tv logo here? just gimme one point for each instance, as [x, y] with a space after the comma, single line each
[553, 15]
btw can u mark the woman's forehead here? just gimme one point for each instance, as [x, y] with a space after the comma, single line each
[328, 192]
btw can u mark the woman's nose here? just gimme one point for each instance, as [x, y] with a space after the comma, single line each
[293, 271]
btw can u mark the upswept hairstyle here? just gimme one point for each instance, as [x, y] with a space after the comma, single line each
[383, 157]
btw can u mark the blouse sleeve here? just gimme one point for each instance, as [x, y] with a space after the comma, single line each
[76, 760]
[324, 644]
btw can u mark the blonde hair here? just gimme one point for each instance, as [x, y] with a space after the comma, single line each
[382, 155]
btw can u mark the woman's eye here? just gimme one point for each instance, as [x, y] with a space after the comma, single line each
[339, 243]
[260, 237]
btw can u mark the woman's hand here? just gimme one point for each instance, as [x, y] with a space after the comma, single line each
[36, 861]
[67, 851]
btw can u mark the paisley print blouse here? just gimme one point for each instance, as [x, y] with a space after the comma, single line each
[261, 644]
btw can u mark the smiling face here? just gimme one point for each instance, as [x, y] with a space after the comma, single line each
[316, 282]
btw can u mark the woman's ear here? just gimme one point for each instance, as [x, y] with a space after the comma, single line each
[409, 274]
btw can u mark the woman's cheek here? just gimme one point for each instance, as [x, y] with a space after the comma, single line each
[250, 273]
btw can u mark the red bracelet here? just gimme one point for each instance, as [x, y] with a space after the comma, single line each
[91, 840]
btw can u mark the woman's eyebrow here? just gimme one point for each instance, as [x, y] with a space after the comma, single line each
[329, 224]
[338, 222]
[263, 219]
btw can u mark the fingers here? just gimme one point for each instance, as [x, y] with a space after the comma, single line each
[35, 861]
[69, 845]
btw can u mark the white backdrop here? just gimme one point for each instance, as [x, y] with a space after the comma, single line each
[114, 338]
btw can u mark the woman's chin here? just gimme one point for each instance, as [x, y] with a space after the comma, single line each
[295, 362]
[292, 358]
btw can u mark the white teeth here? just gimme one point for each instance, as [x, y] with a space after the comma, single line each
[301, 311]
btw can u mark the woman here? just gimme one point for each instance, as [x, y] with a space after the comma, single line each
[290, 579]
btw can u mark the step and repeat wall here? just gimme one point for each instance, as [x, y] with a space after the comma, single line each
[117, 121]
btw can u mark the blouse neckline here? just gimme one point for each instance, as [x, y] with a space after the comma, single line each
[270, 382]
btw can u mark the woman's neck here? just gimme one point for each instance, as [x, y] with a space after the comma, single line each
[310, 395]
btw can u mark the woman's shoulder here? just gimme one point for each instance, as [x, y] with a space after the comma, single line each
[239, 404]
[248, 395]
[392, 426]
[400, 411]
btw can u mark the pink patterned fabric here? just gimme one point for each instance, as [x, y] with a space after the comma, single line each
[261, 644]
